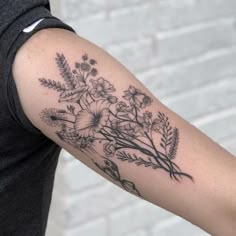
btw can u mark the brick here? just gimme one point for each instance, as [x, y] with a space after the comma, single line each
[59, 180]
[70, 9]
[201, 101]
[180, 78]
[54, 229]
[55, 7]
[65, 157]
[173, 14]
[132, 23]
[96, 202]
[176, 226]
[196, 41]
[96, 227]
[137, 233]
[58, 213]
[219, 126]
[121, 26]
[153, 81]
[125, 3]
[230, 144]
[77, 176]
[94, 28]
[139, 215]
[136, 55]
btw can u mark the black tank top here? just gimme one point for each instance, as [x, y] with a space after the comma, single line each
[28, 159]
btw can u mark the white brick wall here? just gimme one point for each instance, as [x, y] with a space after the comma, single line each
[185, 52]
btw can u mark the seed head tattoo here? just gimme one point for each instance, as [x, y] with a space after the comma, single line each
[124, 128]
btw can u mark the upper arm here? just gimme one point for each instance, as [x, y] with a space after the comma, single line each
[89, 104]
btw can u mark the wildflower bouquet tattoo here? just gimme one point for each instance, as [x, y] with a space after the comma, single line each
[125, 129]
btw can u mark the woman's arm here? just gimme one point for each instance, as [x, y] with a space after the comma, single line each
[89, 104]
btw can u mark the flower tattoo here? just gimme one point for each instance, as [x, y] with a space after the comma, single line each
[93, 119]
[101, 88]
[137, 98]
[123, 127]
[52, 117]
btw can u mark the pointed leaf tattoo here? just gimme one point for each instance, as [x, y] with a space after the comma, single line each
[52, 84]
[65, 71]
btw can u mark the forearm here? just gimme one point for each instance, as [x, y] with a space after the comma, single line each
[118, 128]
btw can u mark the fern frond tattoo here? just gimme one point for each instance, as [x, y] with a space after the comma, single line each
[123, 156]
[52, 84]
[65, 71]
[124, 128]
[174, 144]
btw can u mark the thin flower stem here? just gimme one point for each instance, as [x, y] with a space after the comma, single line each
[146, 152]
[115, 137]
[87, 76]
[154, 147]
[121, 140]
[68, 113]
[84, 101]
[151, 133]
[70, 121]
[89, 93]
[90, 96]
[80, 104]
[164, 160]
[127, 134]
[136, 113]
[107, 135]
[134, 145]
[83, 76]
[121, 119]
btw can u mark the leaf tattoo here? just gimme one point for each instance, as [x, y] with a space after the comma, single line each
[137, 160]
[174, 144]
[95, 116]
[111, 169]
[65, 71]
[52, 84]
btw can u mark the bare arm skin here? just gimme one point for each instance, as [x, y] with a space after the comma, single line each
[89, 104]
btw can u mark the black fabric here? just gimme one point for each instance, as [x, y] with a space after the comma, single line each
[28, 159]
[13, 9]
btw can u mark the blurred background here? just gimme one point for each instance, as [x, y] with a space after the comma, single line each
[185, 53]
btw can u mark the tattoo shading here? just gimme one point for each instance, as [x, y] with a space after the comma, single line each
[95, 116]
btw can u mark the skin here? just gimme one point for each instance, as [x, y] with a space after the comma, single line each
[204, 197]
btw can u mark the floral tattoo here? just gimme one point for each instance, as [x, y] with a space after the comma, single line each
[124, 128]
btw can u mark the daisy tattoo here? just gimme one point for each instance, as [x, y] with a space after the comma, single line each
[125, 130]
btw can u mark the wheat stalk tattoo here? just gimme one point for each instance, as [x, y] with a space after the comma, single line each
[94, 115]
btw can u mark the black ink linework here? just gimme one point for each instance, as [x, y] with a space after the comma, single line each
[95, 116]
[111, 169]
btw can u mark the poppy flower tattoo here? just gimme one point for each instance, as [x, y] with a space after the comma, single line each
[123, 127]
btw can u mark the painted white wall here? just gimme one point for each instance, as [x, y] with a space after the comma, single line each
[185, 53]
